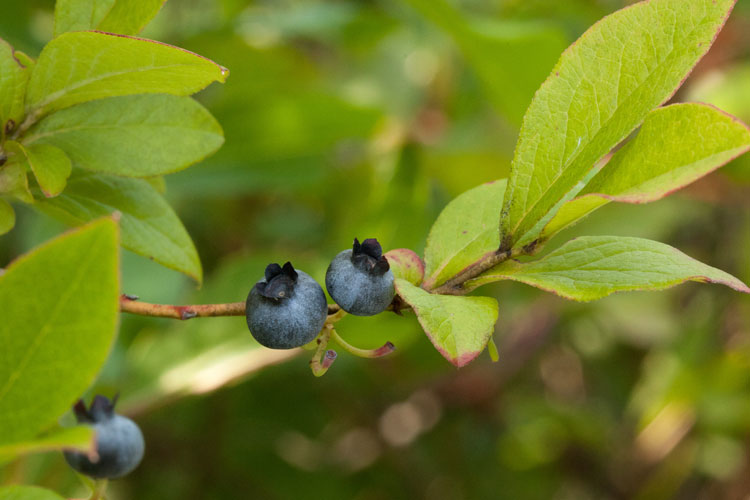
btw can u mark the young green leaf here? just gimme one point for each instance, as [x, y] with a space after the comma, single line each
[14, 182]
[7, 217]
[134, 136]
[80, 15]
[406, 264]
[50, 165]
[56, 339]
[13, 77]
[18, 492]
[149, 225]
[676, 145]
[459, 327]
[464, 232]
[129, 17]
[601, 89]
[84, 66]
[79, 438]
[592, 267]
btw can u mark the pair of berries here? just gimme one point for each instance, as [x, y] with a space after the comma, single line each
[288, 308]
[119, 442]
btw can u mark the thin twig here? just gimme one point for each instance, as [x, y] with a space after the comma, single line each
[455, 285]
[130, 304]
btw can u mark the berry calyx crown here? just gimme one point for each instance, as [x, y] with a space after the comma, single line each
[368, 256]
[101, 408]
[279, 283]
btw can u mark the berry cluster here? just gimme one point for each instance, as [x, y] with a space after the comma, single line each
[288, 308]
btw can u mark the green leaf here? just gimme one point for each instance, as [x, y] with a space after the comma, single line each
[592, 267]
[80, 15]
[50, 165]
[129, 17]
[60, 311]
[676, 145]
[601, 89]
[13, 77]
[459, 327]
[126, 17]
[148, 224]
[157, 182]
[406, 264]
[14, 182]
[18, 492]
[134, 136]
[465, 231]
[79, 438]
[7, 217]
[84, 66]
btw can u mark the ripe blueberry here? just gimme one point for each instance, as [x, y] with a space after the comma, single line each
[119, 442]
[287, 309]
[360, 280]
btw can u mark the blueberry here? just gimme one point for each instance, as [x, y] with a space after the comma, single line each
[287, 309]
[119, 442]
[360, 280]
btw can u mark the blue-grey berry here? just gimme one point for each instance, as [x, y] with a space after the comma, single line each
[287, 309]
[360, 280]
[119, 441]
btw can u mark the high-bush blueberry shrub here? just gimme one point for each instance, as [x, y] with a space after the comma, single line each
[360, 280]
[287, 309]
[119, 441]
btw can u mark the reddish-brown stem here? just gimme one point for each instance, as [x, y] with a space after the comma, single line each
[131, 304]
[455, 285]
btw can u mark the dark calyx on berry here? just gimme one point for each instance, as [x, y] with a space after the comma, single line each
[279, 282]
[101, 408]
[368, 256]
[119, 441]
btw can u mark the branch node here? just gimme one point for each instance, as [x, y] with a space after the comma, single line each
[187, 313]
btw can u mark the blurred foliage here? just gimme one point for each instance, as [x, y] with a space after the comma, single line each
[364, 118]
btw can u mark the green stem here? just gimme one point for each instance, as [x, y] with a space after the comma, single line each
[387, 348]
[323, 359]
[100, 486]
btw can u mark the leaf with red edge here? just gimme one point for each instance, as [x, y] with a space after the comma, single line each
[406, 264]
[592, 267]
[459, 327]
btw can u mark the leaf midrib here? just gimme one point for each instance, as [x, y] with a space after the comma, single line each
[599, 130]
[44, 331]
[104, 76]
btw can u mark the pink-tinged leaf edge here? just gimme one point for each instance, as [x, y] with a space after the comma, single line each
[735, 283]
[458, 361]
[638, 200]
[408, 263]
[555, 73]
[224, 71]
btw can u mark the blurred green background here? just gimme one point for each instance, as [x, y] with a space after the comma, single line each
[364, 118]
